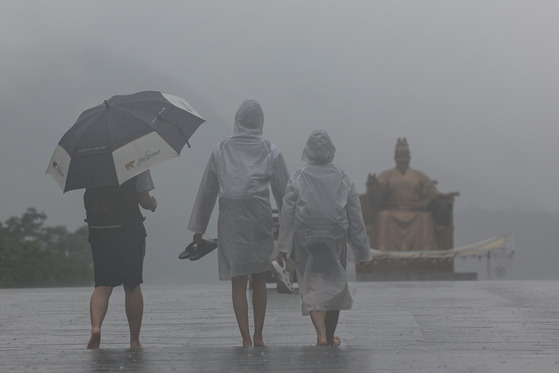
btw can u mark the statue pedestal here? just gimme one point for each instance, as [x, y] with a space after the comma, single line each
[411, 269]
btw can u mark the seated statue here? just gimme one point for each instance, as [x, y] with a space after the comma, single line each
[404, 211]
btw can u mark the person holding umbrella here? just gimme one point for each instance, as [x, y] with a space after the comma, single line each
[117, 238]
[109, 151]
[241, 170]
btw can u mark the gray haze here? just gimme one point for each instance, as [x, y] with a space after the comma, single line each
[472, 85]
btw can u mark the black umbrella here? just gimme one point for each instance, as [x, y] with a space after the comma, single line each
[121, 138]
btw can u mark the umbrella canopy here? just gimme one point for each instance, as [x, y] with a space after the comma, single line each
[121, 138]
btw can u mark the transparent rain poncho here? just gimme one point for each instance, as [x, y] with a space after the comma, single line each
[241, 170]
[320, 214]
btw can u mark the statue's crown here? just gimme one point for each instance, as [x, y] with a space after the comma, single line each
[402, 144]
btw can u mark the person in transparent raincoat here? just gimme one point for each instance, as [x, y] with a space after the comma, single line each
[320, 213]
[241, 170]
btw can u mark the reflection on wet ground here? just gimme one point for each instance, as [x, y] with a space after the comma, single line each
[230, 359]
[394, 327]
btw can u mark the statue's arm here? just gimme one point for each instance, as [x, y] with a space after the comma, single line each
[450, 195]
[429, 193]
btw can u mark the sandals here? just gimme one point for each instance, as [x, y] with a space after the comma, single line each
[196, 251]
[283, 277]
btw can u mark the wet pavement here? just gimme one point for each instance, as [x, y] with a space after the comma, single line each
[484, 326]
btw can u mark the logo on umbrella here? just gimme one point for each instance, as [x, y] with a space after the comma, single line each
[91, 149]
[129, 165]
[57, 169]
[149, 155]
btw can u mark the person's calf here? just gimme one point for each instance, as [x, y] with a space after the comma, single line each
[134, 308]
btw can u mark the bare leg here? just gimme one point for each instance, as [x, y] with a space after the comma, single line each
[134, 306]
[319, 321]
[259, 300]
[240, 305]
[331, 324]
[98, 306]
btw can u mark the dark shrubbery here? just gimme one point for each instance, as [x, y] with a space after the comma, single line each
[32, 255]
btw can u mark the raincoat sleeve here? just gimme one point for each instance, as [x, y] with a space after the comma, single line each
[357, 233]
[279, 180]
[205, 199]
[287, 220]
[144, 182]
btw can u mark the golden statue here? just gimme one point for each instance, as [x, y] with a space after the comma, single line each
[404, 211]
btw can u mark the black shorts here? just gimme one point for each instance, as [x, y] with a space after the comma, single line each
[118, 255]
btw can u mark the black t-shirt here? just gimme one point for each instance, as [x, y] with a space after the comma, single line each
[112, 206]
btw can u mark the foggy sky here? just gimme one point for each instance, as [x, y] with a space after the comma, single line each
[472, 85]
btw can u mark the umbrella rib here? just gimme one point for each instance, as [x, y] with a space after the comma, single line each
[132, 115]
[175, 125]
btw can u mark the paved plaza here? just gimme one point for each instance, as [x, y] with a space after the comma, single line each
[463, 326]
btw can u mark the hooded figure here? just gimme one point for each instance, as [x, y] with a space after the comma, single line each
[320, 213]
[241, 170]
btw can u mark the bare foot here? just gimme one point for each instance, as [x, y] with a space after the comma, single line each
[258, 341]
[320, 342]
[95, 339]
[336, 341]
[136, 345]
[247, 343]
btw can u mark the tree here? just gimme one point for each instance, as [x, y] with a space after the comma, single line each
[32, 255]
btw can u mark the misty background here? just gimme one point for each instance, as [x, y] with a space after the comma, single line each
[472, 85]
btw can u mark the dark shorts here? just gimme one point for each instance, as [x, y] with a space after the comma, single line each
[118, 256]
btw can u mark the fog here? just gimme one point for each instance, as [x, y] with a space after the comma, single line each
[472, 85]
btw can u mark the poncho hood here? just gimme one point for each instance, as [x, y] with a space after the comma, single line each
[319, 148]
[249, 119]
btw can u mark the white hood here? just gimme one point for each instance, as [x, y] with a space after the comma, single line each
[319, 148]
[249, 118]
